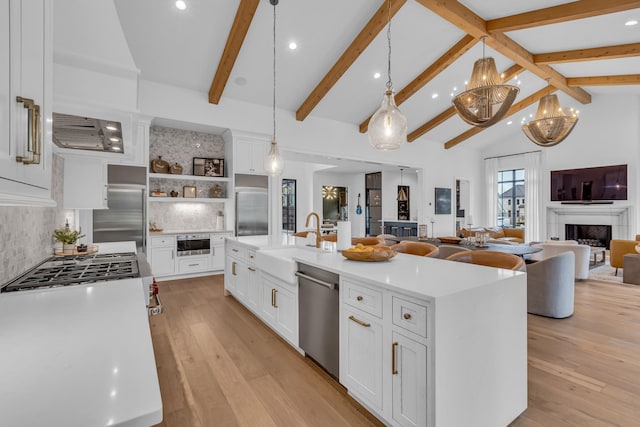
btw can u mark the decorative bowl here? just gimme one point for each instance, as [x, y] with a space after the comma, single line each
[370, 253]
[450, 240]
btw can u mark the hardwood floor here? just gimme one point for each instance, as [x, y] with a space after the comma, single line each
[218, 365]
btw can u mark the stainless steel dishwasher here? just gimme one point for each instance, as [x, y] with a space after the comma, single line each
[319, 317]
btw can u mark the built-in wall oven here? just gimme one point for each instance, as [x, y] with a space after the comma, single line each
[193, 244]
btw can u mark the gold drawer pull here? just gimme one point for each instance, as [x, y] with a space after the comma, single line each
[360, 322]
[34, 132]
[359, 298]
[233, 268]
[251, 269]
[406, 316]
[394, 368]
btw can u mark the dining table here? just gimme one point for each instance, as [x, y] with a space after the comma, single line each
[521, 249]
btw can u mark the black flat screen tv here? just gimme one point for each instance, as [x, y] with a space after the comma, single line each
[589, 184]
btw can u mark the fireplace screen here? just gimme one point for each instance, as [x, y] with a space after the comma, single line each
[592, 235]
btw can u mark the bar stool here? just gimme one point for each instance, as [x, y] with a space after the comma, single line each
[407, 231]
[395, 231]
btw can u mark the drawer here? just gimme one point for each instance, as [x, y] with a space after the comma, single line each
[218, 239]
[363, 298]
[237, 251]
[163, 241]
[193, 264]
[410, 316]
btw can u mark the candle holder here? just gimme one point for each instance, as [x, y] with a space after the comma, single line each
[432, 221]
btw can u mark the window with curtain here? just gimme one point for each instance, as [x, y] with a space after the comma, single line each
[511, 198]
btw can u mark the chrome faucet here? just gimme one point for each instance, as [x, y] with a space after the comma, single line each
[318, 238]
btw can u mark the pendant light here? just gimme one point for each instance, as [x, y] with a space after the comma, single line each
[388, 126]
[551, 124]
[402, 195]
[273, 162]
[486, 99]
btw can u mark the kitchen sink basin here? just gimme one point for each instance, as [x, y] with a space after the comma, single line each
[279, 261]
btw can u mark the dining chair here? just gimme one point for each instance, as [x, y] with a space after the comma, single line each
[388, 239]
[490, 259]
[445, 250]
[416, 248]
[367, 241]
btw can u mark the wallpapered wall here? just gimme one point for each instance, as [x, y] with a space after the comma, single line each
[27, 231]
[181, 146]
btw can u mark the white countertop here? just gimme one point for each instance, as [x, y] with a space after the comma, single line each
[153, 233]
[116, 247]
[78, 356]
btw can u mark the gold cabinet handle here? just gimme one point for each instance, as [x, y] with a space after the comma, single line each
[360, 322]
[34, 132]
[394, 369]
[275, 298]
[359, 298]
[251, 269]
[233, 268]
[234, 250]
[406, 316]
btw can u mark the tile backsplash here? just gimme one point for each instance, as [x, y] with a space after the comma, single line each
[27, 231]
[185, 216]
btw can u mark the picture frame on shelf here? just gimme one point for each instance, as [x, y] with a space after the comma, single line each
[189, 191]
[443, 201]
[203, 166]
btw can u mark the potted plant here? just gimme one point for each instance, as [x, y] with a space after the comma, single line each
[68, 238]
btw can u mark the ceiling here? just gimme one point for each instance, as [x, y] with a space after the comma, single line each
[184, 49]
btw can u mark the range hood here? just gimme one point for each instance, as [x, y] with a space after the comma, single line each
[86, 133]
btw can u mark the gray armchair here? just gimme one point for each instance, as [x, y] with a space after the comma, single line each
[446, 250]
[550, 286]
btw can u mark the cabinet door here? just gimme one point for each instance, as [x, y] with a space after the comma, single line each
[162, 261]
[253, 288]
[287, 313]
[6, 103]
[409, 381]
[230, 274]
[361, 356]
[242, 280]
[85, 184]
[249, 156]
[267, 308]
[217, 257]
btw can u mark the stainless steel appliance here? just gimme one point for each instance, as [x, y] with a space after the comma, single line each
[252, 211]
[319, 322]
[125, 220]
[193, 244]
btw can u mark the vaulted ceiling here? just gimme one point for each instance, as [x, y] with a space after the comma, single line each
[223, 49]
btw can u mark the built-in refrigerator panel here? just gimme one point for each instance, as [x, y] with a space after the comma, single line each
[252, 211]
[125, 220]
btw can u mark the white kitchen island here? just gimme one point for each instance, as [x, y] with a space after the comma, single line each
[423, 341]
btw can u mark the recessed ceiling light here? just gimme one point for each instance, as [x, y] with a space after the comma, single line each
[180, 4]
[452, 94]
[293, 45]
[455, 88]
[115, 149]
[240, 81]
[434, 96]
[376, 75]
[111, 127]
[509, 122]
[631, 23]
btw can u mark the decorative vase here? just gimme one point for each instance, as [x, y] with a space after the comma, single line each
[216, 192]
[159, 166]
[175, 169]
[68, 248]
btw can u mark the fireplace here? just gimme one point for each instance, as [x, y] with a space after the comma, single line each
[592, 235]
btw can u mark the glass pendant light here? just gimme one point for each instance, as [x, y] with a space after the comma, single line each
[402, 195]
[388, 126]
[551, 124]
[273, 164]
[486, 99]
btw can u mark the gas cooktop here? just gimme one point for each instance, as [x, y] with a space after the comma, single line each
[63, 271]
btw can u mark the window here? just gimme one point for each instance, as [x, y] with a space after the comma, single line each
[289, 205]
[511, 194]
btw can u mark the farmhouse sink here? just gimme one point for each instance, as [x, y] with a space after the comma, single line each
[279, 261]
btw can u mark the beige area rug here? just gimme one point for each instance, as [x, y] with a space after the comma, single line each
[605, 273]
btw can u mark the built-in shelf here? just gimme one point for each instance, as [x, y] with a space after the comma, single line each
[188, 199]
[188, 177]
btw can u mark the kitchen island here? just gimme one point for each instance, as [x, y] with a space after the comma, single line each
[423, 341]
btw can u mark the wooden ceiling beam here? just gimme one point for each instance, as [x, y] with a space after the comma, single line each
[507, 75]
[519, 106]
[593, 54]
[626, 79]
[376, 24]
[561, 13]
[462, 17]
[449, 57]
[239, 29]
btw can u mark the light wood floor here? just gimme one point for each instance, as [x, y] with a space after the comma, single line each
[218, 365]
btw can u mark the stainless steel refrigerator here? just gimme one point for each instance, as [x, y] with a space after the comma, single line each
[126, 218]
[252, 211]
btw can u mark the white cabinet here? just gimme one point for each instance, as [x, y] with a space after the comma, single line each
[85, 183]
[241, 277]
[279, 306]
[193, 264]
[162, 255]
[361, 355]
[217, 250]
[25, 100]
[249, 155]
[409, 381]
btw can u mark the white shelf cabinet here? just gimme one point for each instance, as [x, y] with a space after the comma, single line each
[162, 253]
[85, 184]
[26, 44]
[249, 155]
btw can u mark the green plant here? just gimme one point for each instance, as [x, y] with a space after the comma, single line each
[67, 236]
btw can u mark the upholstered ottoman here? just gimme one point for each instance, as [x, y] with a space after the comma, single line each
[631, 269]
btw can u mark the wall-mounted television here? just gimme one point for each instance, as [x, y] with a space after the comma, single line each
[589, 184]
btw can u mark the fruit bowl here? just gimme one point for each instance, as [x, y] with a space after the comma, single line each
[369, 253]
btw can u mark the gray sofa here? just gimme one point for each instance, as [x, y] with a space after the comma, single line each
[551, 285]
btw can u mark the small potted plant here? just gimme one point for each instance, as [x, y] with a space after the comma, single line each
[68, 238]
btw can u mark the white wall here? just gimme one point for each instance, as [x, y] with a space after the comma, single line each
[354, 184]
[607, 133]
[390, 182]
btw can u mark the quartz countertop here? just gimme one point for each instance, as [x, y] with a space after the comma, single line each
[78, 356]
[153, 233]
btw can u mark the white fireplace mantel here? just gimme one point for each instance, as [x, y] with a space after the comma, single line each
[617, 216]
